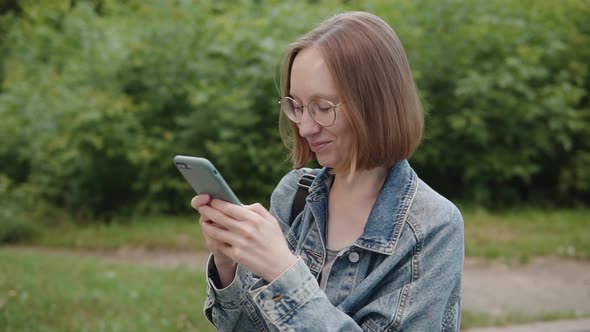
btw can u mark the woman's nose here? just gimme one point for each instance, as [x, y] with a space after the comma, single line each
[308, 127]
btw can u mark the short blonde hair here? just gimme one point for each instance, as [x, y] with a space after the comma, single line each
[372, 75]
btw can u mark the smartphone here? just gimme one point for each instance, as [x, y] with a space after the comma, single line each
[204, 178]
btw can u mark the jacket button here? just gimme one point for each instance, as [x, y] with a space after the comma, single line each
[268, 305]
[354, 257]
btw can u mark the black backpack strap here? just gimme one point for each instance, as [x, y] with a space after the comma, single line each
[303, 186]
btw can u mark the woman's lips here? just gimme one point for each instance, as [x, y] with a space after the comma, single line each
[317, 147]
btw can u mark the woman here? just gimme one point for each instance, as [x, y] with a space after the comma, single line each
[374, 249]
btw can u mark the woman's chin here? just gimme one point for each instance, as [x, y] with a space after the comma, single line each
[327, 162]
[324, 162]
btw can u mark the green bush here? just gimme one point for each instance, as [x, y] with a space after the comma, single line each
[98, 96]
[14, 224]
[507, 91]
[15, 231]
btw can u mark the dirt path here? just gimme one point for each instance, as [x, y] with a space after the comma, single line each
[543, 285]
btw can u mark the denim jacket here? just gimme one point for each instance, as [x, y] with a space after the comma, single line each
[402, 274]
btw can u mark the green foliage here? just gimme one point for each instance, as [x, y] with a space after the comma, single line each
[98, 96]
[507, 89]
[15, 231]
[15, 226]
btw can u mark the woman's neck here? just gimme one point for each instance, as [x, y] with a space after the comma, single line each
[365, 183]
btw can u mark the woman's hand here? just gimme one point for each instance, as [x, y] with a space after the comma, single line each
[213, 245]
[248, 235]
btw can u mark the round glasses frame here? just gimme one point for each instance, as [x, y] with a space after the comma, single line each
[294, 111]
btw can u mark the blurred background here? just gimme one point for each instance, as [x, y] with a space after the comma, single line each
[97, 96]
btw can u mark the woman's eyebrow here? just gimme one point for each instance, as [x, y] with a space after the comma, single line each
[316, 96]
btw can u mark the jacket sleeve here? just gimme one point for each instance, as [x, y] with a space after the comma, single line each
[295, 302]
[233, 307]
[230, 308]
[434, 295]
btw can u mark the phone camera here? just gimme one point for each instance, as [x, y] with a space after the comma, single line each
[182, 165]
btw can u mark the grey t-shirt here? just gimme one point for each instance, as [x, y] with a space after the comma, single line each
[330, 258]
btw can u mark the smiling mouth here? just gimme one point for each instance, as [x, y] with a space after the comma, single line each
[317, 147]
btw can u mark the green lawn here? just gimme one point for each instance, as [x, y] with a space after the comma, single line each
[173, 233]
[477, 319]
[515, 234]
[527, 233]
[41, 292]
[49, 292]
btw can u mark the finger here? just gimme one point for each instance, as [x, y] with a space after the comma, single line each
[237, 212]
[211, 222]
[220, 235]
[213, 245]
[203, 217]
[228, 250]
[219, 218]
[200, 200]
[259, 209]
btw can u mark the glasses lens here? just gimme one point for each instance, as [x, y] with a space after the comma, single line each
[323, 112]
[290, 108]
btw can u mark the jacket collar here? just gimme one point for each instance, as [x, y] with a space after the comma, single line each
[389, 212]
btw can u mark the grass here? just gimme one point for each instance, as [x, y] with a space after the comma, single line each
[41, 292]
[519, 234]
[45, 292]
[170, 233]
[524, 234]
[471, 319]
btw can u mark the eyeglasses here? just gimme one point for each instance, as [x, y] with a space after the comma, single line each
[322, 111]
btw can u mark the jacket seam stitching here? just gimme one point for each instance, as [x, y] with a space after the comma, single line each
[288, 313]
[404, 296]
[405, 208]
[255, 315]
[417, 249]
